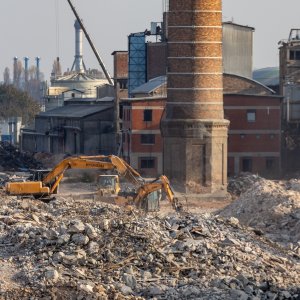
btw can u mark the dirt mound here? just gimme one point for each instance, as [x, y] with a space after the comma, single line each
[273, 207]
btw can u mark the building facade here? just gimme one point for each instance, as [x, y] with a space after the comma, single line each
[141, 135]
[254, 142]
[72, 129]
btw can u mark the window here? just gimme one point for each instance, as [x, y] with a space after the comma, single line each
[270, 163]
[128, 115]
[294, 55]
[247, 165]
[148, 115]
[148, 139]
[251, 115]
[147, 163]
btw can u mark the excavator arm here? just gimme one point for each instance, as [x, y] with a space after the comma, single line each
[160, 183]
[51, 181]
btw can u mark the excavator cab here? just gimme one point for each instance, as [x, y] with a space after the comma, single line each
[151, 201]
[108, 185]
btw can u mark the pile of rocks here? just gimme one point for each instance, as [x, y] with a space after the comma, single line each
[11, 159]
[84, 250]
[241, 183]
[273, 207]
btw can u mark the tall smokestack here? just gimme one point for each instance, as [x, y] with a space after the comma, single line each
[15, 78]
[37, 60]
[194, 130]
[78, 62]
[26, 59]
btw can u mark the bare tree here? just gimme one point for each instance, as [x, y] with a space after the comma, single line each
[6, 76]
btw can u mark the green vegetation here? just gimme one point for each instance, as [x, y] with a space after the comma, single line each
[17, 103]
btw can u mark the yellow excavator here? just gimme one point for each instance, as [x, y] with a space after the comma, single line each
[47, 184]
[44, 186]
[161, 183]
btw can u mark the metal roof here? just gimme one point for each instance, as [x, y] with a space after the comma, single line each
[75, 111]
[150, 86]
[79, 76]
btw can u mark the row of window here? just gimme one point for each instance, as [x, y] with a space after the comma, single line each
[247, 164]
[147, 162]
[147, 115]
[258, 136]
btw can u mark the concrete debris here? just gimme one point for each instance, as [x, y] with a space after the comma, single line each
[271, 208]
[11, 159]
[89, 250]
[241, 183]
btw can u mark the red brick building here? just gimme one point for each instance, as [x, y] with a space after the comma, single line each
[254, 113]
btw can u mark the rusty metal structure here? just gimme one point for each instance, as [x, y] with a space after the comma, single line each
[194, 128]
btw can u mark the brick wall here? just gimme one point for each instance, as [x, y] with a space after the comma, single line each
[156, 60]
[120, 64]
[259, 140]
[195, 60]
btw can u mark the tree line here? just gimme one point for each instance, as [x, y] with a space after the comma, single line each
[17, 103]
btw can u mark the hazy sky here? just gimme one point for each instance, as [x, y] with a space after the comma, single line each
[45, 28]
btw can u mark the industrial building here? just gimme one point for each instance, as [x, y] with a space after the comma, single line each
[72, 129]
[79, 82]
[289, 55]
[79, 116]
[254, 143]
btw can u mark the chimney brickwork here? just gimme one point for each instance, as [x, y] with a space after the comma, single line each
[194, 129]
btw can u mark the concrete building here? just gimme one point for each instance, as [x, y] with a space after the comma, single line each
[74, 129]
[289, 55]
[194, 129]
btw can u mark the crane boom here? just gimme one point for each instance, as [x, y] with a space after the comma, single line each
[91, 43]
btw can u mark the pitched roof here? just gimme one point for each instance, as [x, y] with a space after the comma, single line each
[150, 86]
[75, 111]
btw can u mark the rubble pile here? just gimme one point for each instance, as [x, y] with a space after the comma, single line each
[241, 183]
[89, 250]
[49, 160]
[273, 207]
[11, 159]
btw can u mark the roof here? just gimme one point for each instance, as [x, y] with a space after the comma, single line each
[79, 76]
[267, 76]
[119, 51]
[75, 90]
[239, 25]
[75, 111]
[151, 85]
[106, 99]
[141, 99]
